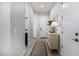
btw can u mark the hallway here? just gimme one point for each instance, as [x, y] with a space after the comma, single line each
[39, 29]
[38, 15]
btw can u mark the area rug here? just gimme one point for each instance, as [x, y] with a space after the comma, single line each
[39, 49]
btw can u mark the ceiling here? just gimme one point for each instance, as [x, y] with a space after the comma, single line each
[42, 7]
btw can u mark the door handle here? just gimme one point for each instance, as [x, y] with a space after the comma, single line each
[76, 39]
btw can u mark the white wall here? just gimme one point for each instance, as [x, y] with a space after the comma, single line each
[70, 27]
[4, 28]
[17, 28]
[40, 21]
[29, 21]
[29, 14]
[12, 28]
[57, 10]
[35, 24]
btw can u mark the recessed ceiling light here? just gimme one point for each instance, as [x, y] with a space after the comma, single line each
[65, 6]
[42, 6]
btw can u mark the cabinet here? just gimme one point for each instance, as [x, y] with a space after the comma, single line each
[53, 40]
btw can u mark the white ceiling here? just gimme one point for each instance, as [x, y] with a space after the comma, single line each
[47, 6]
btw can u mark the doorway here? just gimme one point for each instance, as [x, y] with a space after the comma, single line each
[42, 26]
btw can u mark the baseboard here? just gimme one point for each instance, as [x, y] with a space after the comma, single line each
[34, 37]
[43, 37]
[40, 37]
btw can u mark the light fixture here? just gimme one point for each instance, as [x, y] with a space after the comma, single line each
[65, 6]
[42, 6]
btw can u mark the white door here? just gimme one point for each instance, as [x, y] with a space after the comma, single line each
[43, 26]
[40, 27]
